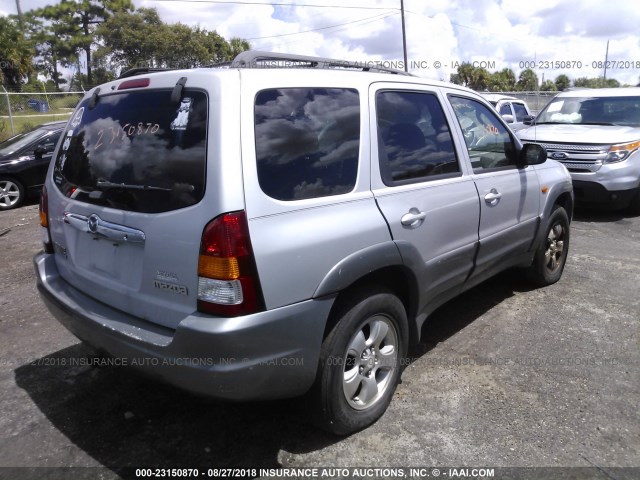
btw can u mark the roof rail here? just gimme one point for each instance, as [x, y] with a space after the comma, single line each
[258, 59]
[137, 71]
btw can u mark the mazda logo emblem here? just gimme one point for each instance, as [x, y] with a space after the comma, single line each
[93, 223]
[559, 155]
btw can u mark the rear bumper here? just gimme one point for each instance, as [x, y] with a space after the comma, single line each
[268, 355]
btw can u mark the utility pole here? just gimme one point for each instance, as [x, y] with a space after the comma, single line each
[404, 37]
[606, 56]
[19, 14]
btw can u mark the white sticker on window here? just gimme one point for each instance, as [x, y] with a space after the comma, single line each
[77, 118]
[555, 106]
[180, 122]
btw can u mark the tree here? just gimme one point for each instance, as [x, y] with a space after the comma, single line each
[527, 81]
[238, 45]
[548, 86]
[132, 40]
[502, 81]
[476, 78]
[141, 39]
[599, 82]
[51, 50]
[74, 22]
[562, 82]
[16, 53]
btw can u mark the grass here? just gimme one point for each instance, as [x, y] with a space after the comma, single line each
[23, 123]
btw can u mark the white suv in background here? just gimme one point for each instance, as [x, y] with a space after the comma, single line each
[511, 109]
[595, 133]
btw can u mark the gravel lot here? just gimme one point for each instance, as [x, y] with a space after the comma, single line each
[506, 376]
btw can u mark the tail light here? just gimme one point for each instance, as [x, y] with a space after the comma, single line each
[228, 283]
[44, 221]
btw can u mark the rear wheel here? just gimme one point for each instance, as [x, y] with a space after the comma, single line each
[11, 193]
[551, 255]
[360, 362]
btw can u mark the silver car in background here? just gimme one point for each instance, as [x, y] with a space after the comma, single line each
[595, 133]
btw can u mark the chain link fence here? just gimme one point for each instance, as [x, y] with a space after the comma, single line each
[535, 100]
[21, 112]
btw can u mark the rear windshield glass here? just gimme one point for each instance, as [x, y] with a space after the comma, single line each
[136, 151]
[307, 141]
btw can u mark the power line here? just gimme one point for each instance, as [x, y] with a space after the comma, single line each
[376, 17]
[345, 28]
[278, 4]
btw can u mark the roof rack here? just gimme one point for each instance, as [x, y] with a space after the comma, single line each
[137, 71]
[258, 59]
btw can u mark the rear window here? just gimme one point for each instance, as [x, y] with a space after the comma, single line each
[136, 151]
[307, 141]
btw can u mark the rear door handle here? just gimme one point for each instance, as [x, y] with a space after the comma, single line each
[413, 218]
[493, 197]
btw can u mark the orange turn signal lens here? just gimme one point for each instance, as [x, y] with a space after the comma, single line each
[221, 268]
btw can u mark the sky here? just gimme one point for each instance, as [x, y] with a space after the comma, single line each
[551, 36]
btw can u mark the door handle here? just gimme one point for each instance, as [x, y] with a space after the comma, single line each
[493, 197]
[413, 218]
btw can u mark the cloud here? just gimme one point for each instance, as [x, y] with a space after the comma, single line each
[505, 32]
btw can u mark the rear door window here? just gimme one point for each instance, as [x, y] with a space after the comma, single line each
[307, 141]
[136, 151]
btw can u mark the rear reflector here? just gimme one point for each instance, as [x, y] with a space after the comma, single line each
[228, 283]
[44, 220]
[135, 83]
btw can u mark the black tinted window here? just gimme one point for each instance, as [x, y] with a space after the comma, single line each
[307, 141]
[414, 138]
[136, 151]
[521, 111]
[505, 109]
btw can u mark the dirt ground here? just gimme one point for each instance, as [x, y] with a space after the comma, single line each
[506, 376]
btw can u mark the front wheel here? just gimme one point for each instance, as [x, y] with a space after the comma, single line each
[11, 193]
[551, 255]
[360, 362]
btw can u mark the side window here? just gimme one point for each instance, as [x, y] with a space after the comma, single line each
[505, 109]
[307, 141]
[414, 139]
[521, 112]
[489, 143]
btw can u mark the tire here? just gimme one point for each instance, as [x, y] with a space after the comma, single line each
[11, 193]
[360, 362]
[551, 255]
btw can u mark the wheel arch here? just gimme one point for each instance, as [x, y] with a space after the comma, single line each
[380, 265]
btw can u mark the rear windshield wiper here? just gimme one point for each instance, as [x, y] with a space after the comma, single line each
[126, 186]
[600, 123]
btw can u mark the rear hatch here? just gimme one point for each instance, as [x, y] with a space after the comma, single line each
[130, 200]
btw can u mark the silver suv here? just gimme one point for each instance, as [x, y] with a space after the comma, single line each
[595, 133]
[258, 232]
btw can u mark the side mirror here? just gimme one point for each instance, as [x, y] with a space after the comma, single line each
[532, 154]
[39, 151]
[529, 119]
[507, 118]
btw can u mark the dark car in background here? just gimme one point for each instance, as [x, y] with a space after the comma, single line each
[24, 160]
